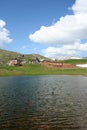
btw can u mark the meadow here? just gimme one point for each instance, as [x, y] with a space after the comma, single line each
[38, 69]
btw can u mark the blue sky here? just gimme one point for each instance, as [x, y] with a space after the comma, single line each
[31, 26]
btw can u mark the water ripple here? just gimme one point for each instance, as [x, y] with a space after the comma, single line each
[43, 103]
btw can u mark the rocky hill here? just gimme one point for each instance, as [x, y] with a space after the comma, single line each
[5, 56]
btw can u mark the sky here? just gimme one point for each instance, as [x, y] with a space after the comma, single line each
[52, 28]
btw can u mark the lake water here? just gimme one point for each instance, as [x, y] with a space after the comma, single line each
[43, 103]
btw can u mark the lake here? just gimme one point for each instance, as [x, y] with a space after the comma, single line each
[55, 102]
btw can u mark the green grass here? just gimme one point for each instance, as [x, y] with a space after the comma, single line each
[76, 61]
[37, 69]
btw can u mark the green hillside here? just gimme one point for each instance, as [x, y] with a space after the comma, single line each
[36, 69]
[5, 56]
[76, 61]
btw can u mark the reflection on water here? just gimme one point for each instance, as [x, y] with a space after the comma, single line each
[43, 103]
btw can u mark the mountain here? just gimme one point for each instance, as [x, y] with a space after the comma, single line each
[5, 56]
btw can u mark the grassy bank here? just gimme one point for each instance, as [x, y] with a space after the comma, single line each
[76, 61]
[37, 69]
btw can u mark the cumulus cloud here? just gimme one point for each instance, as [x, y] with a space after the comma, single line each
[4, 34]
[80, 7]
[66, 50]
[68, 30]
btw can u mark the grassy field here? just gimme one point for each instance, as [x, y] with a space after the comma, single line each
[37, 69]
[76, 61]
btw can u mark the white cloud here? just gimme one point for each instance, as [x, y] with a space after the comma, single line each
[67, 31]
[80, 7]
[4, 34]
[2, 23]
[66, 50]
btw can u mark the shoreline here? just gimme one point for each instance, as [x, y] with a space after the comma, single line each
[38, 69]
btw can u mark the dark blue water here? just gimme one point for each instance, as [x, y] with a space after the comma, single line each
[43, 103]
